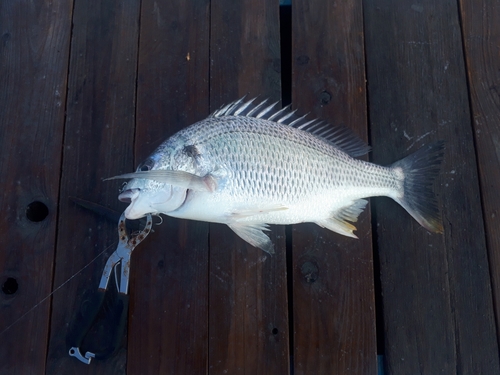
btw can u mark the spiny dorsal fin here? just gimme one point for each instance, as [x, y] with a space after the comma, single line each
[340, 136]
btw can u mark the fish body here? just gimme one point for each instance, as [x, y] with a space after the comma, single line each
[249, 166]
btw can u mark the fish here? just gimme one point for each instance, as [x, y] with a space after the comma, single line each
[252, 165]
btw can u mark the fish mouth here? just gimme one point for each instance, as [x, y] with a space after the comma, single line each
[134, 209]
[129, 195]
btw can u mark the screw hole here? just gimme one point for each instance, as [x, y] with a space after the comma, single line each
[10, 286]
[36, 211]
[275, 331]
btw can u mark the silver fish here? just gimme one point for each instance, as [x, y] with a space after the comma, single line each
[249, 165]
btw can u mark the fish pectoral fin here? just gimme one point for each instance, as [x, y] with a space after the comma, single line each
[175, 178]
[240, 214]
[254, 235]
[339, 220]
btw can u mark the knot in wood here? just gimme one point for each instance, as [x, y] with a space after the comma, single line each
[310, 271]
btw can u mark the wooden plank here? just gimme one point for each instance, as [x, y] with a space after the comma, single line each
[481, 33]
[248, 297]
[168, 317]
[34, 50]
[333, 287]
[437, 299]
[98, 143]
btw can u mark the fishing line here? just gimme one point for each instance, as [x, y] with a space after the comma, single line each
[55, 290]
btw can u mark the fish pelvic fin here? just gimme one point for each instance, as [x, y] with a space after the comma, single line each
[417, 173]
[338, 222]
[254, 235]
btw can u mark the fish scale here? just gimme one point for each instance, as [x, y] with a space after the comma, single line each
[240, 154]
[249, 165]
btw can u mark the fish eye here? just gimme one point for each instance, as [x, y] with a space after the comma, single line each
[146, 165]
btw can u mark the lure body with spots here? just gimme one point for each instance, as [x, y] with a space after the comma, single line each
[248, 166]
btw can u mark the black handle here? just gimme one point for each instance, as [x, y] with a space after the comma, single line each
[117, 320]
[113, 320]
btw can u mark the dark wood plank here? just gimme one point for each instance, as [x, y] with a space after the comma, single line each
[333, 292]
[34, 52]
[98, 143]
[168, 325]
[437, 299]
[481, 33]
[248, 296]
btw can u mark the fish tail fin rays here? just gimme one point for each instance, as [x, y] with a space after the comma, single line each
[417, 173]
[338, 222]
[254, 235]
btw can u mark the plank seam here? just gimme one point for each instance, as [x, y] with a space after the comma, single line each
[480, 182]
[59, 196]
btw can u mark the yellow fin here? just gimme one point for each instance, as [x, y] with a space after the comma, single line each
[339, 226]
[338, 222]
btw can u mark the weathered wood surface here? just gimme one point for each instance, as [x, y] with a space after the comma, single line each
[98, 143]
[333, 287]
[248, 314]
[481, 36]
[437, 299]
[169, 297]
[203, 301]
[34, 50]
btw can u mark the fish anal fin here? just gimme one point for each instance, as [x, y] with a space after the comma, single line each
[351, 212]
[254, 235]
[339, 226]
[338, 222]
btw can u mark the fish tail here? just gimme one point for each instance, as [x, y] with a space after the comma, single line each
[417, 173]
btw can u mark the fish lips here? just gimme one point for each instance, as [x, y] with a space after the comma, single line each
[131, 196]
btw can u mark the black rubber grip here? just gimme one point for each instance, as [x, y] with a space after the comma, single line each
[117, 320]
[84, 319]
[114, 320]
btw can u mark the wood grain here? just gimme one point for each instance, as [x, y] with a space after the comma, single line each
[248, 293]
[98, 143]
[89, 89]
[437, 298]
[333, 286]
[481, 33]
[34, 50]
[168, 331]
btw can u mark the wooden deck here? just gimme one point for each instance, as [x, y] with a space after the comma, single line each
[89, 88]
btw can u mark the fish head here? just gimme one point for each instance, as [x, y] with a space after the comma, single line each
[150, 197]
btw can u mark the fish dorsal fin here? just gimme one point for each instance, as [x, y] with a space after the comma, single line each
[339, 136]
